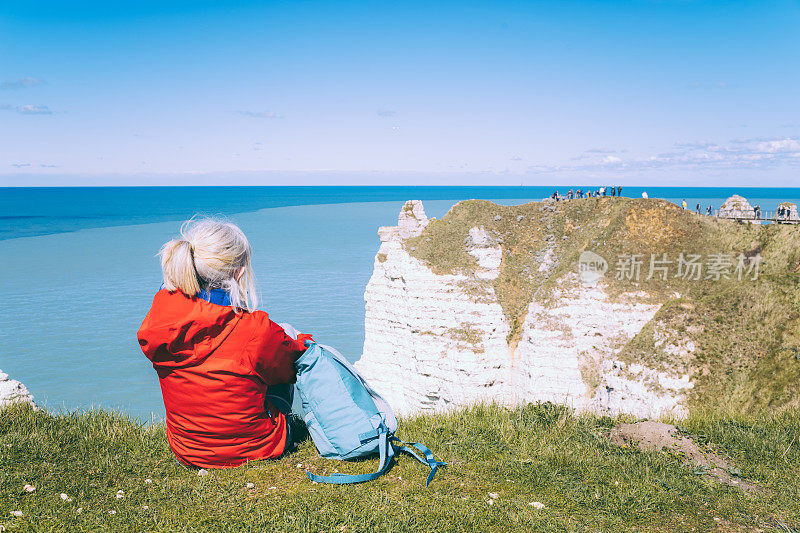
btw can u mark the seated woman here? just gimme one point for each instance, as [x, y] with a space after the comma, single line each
[215, 355]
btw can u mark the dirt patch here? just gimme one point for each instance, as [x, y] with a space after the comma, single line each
[652, 436]
[655, 223]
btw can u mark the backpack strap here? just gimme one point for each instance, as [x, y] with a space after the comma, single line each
[430, 459]
[388, 445]
[386, 450]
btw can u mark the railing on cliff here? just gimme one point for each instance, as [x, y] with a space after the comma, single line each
[759, 216]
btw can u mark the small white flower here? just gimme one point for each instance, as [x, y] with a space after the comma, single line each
[202, 472]
[148, 481]
[616, 483]
[18, 514]
[120, 494]
[250, 485]
[299, 465]
[272, 488]
[65, 497]
[145, 507]
[79, 510]
[112, 512]
[493, 495]
[537, 505]
[29, 488]
[596, 496]
[491, 502]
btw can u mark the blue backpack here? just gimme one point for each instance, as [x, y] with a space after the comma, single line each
[346, 418]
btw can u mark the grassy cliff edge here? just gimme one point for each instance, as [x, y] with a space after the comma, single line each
[501, 461]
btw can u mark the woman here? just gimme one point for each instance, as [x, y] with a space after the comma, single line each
[215, 355]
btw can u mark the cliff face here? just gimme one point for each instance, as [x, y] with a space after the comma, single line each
[488, 304]
[12, 390]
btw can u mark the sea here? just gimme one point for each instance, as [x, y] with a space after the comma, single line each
[80, 269]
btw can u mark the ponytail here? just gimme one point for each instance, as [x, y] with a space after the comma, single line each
[177, 264]
[211, 254]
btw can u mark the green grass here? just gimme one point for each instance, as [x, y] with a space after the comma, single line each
[747, 333]
[538, 453]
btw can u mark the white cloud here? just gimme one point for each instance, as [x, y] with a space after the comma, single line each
[34, 110]
[260, 114]
[386, 113]
[736, 154]
[21, 83]
[779, 146]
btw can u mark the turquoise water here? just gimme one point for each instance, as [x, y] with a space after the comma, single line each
[80, 271]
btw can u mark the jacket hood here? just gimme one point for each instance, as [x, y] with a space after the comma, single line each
[181, 331]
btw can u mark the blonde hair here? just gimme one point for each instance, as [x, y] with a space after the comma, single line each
[209, 255]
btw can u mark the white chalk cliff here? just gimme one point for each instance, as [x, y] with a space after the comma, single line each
[12, 391]
[437, 341]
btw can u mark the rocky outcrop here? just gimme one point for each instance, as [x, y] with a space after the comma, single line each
[736, 207]
[12, 391]
[435, 341]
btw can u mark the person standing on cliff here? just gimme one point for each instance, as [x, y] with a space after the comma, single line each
[218, 359]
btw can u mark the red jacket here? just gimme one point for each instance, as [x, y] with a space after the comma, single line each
[214, 367]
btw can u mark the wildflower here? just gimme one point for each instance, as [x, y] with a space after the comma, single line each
[537, 505]
[64, 497]
[120, 494]
[491, 502]
[493, 495]
[202, 472]
[299, 465]
[18, 514]
[79, 510]
[250, 485]
[112, 512]
[148, 481]
[145, 507]
[272, 488]
[29, 488]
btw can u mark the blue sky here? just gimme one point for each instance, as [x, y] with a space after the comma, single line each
[648, 92]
